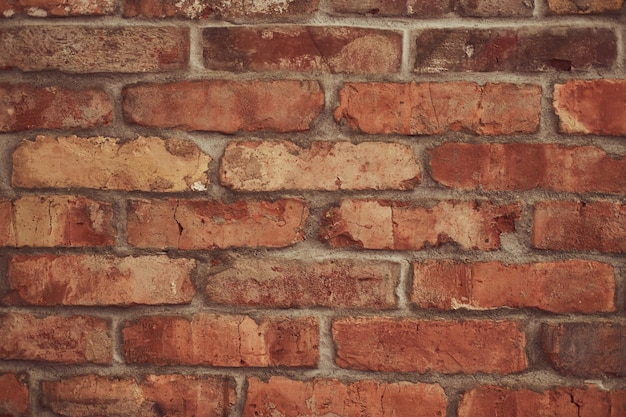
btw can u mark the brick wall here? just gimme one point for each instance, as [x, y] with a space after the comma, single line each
[312, 208]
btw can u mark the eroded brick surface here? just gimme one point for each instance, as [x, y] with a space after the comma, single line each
[584, 6]
[56, 8]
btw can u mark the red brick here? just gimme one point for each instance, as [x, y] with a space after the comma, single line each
[78, 49]
[436, 108]
[495, 8]
[330, 397]
[435, 8]
[391, 345]
[377, 224]
[281, 165]
[69, 340]
[526, 166]
[225, 106]
[591, 107]
[142, 164]
[49, 221]
[585, 401]
[584, 6]
[219, 340]
[56, 8]
[93, 280]
[14, 396]
[575, 225]
[586, 349]
[571, 286]
[23, 107]
[231, 10]
[521, 50]
[302, 49]
[196, 224]
[155, 395]
[283, 283]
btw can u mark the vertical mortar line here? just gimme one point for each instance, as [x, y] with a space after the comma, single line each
[620, 65]
[548, 124]
[326, 344]
[195, 49]
[405, 69]
[403, 287]
[118, 346]
[539, 9]
[240, 396]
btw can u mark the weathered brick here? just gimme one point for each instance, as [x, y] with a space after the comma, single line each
[219, 340]
[14, 396]
[591, 107]
[436, 108]
[143, 164]
[56, 8]
[435, 8]
[515, 166]
[302, 49]
[585, 401]
[49, 280]
[495, 8]
[69, 340]
[24, 107]
[283, 283]
[231, 10]
[225, 106]
[391, 345]
[281, 165]
[584, 6]
[377, 224]
[77, 49]
[154, 396]
[196, 224]
[55, 221]
[576, 225]
[326, 397]
[572, 286]
[520, 50]
[586, 349]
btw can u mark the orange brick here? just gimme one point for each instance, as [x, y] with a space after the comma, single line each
[584, 6]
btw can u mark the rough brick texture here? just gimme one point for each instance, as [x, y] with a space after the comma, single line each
[585, 401]
[225, 106]
[595, 106]
[302, 48]
[528, 166]
[55, 221]
[220, 340]
[153, 396]
[270, 166]
[586, 349]
[194, 224]
[75, 339]
[377, 224]
[322, 397]
[147, 49]
[24, 107]
[435, 8]
[562, 287]
[105, 163]
[94, 280]
[575, 225]
[56, 8]
[390, 345]
[284, 283]
[584, 6]
[14, 395]
[436, 108]
[521, 50]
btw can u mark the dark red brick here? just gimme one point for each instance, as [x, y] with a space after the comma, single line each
[56, 8]
[14, 396]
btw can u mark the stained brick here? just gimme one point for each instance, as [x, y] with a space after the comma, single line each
[575, 225]
[68, 340]
[435, 8]
[225, 106]
[218, 340]
[585, 6]
[56, 8]
[372, 224]
[49, 280]
[528, 166]
[143, 164]
[14, 396]
[390, 345]
[195, 224]
[78, 49]
[280, 165]
[323, 397]
[24, 107]
[302, 49]
[436, 108]
[572, 286]
[283, 283]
